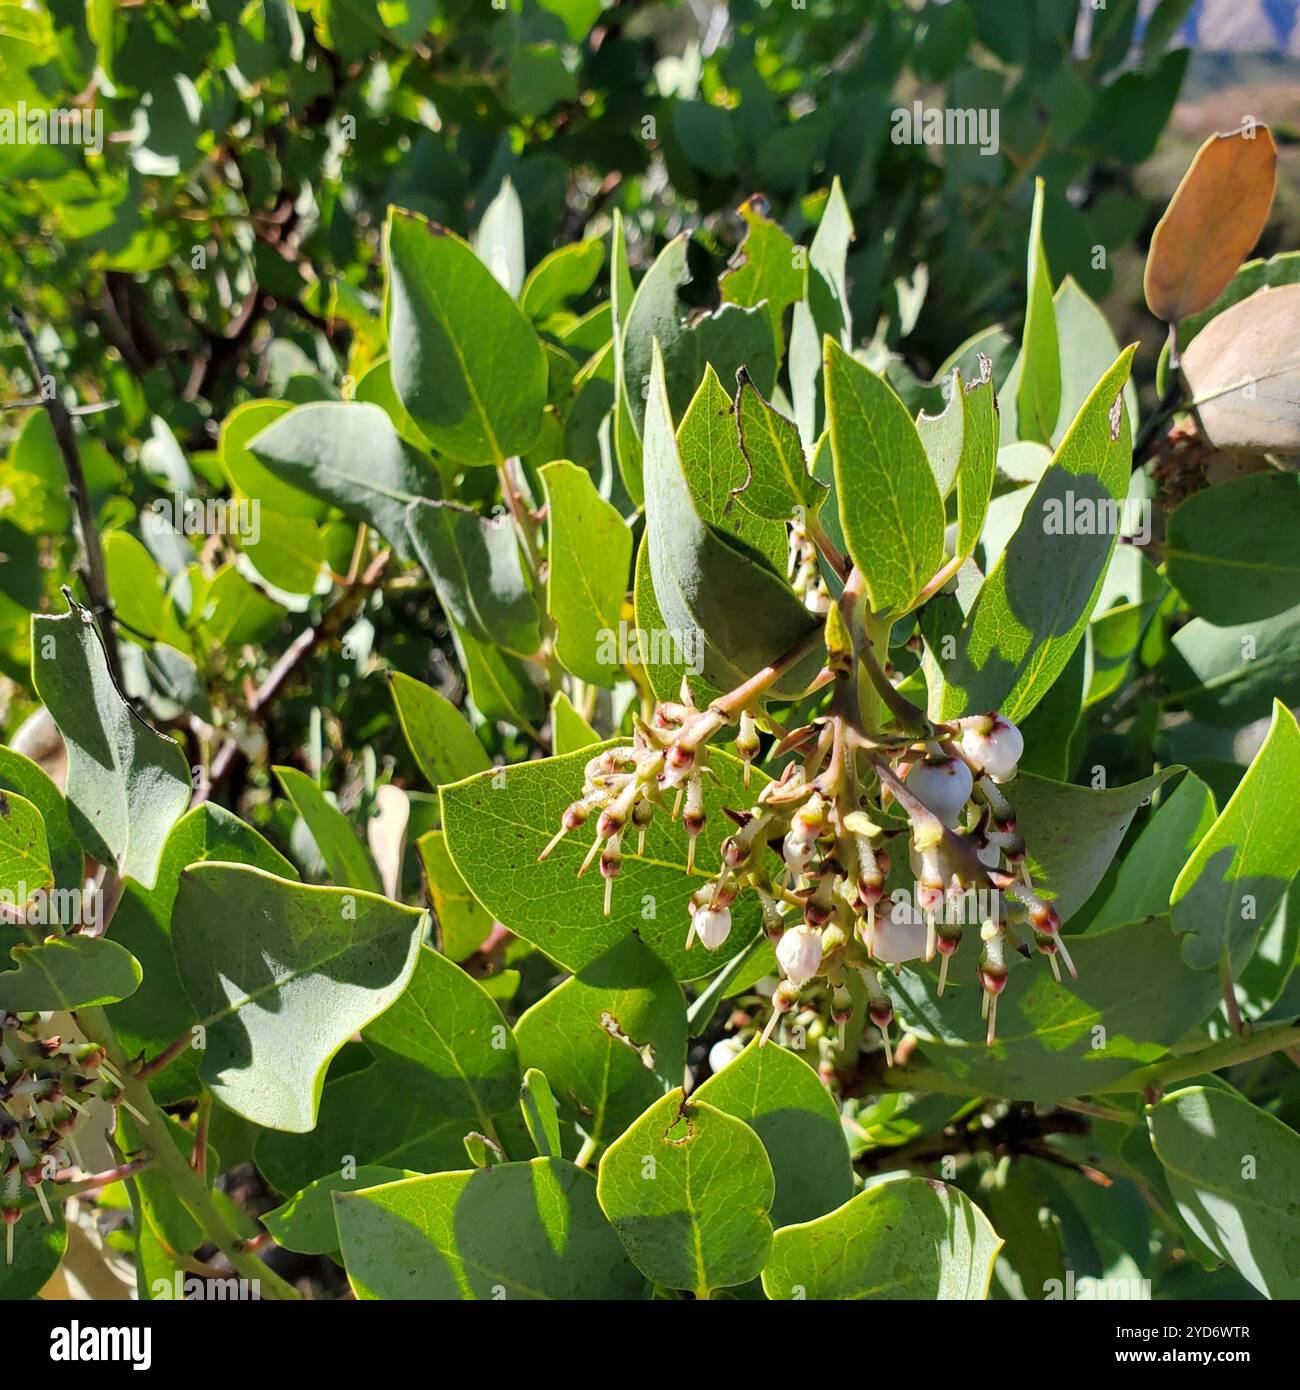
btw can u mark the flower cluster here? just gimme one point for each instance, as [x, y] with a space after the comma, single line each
[820, 842]
[45, 1084]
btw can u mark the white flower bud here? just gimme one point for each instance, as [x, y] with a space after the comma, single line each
[995, 750]
[944, 787]
[713, 925]
[724, 1052]
[799, 954]
[900, 934]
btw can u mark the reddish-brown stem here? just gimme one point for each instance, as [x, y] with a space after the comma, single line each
[296, 652]
[165, 1058]
[61, 421]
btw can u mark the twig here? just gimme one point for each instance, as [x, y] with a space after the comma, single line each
[166, 1057]
[199, 1158]
[1152, 425]
[96, 574]
[297, 651]
[92, 1182]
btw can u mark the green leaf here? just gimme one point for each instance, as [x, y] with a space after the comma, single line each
[250, 477]
[709, 446]
[159, 1012]
[439, 735]
[289, 551]
[444, 1063]
[824, 311]
[465, 361]
[499, 241]
[1113, 639]
[911, 1238]
[1035, 380]
[476, 568]
[708, 592]
[1150, 869]
[729, 339]
[766, 270]
[1133, 1000]
[514, 1231]
[281, 975]
[563, 275]
[626, 439]
[499, 822]
[463, 925]
[127, 784]
[688, 1188]
[569, 730]
[1228, 551]
[232, 611]
[611, 1040]
[305, 1222]
[1035, 604]
[345, 856]
[890, 508]
[33, 475]
[590, 558]
[1228, 676]
[38, 1250]
[962, 446]
[24, 851]
[1230, 886]
[348, 453]
[1072, 833]
[667, 661]
[1090, 348]
[1231, 1169]
[19, 774]
[139, 589]
[540, 1113]
[68, 972]
[1055, 728]
[783, 1101]
[777, 482]
[499, 684]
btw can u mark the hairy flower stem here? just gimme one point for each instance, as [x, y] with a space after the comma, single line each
[726, 709]
[171, 1164]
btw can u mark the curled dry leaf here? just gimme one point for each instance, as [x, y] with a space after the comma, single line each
[1212, 221]
[1243, 373]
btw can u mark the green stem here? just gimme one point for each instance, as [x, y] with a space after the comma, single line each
[876, 694]
[1229, 1052]
[168, 1161]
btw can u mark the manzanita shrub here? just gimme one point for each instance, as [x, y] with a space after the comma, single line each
[634, 805]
